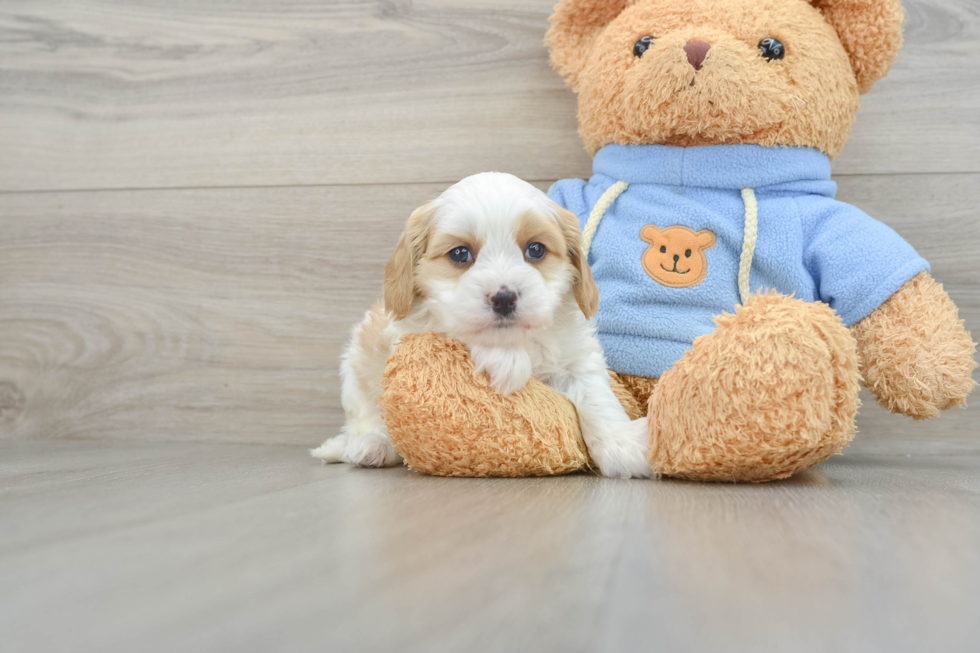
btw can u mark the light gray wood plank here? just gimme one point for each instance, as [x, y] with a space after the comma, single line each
[181, 546]
[219, 315]
[98, 94]
[898, 129]
[215, 315]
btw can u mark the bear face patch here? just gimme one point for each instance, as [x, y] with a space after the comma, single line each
[676, 257]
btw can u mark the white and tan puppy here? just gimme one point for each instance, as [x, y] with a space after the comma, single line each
[495, 263]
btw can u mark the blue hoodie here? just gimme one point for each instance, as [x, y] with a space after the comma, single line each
[808, 244]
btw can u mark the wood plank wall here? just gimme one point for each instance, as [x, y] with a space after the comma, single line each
[197, 197]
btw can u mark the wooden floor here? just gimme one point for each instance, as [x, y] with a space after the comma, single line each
[197, 198]
[149, 546]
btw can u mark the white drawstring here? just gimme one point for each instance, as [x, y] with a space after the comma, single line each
[751, 232]
[598, 211]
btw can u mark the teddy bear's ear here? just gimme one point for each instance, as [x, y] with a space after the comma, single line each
[574, 27]
[705, 239]
[649, 233]
[870, 31]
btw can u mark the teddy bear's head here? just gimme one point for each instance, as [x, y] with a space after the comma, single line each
[705, 72]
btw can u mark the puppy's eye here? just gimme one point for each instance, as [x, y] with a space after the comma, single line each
[535, 251]
[642, 46]
[663, 249]
[687, 253]
[771, 48]
[461, 255]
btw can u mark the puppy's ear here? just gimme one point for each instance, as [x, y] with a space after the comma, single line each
[399, 285]
[870, 31]
[574, 28]
[586, 292]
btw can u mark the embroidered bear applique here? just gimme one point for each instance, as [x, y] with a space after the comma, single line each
[676, 256]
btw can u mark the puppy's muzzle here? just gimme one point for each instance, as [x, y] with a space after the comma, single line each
[504, 302]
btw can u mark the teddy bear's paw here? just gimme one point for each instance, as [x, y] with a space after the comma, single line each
[916, 356]
[623, 454]
[447, 420]
[773, 390]
[371, 450]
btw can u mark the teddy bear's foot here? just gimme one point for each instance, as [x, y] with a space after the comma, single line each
[445, 419]
[772, 391]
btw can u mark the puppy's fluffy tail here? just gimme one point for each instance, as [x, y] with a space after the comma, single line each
[332, 450]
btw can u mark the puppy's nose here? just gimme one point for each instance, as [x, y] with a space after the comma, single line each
[696, 52]
[504, 302]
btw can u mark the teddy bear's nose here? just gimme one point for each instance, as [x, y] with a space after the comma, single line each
[696, 52]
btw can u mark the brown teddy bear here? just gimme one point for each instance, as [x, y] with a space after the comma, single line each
[740, 302]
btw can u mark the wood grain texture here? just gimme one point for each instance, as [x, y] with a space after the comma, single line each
[193, 93]
[193, 547]
[213, 314]
[219, 315]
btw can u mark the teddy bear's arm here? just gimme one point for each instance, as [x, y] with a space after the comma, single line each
[915, 354]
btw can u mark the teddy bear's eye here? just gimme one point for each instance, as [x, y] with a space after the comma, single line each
[663, 249]
[687, 253]
[772, 48]
[642, 46]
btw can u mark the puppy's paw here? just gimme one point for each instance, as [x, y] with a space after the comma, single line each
[331, 451]
[509, 369]
[623, 453]
[371, 450]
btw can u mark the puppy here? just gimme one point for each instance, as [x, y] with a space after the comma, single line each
[495, 263]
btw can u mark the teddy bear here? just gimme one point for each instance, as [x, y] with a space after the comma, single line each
[740, 303]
